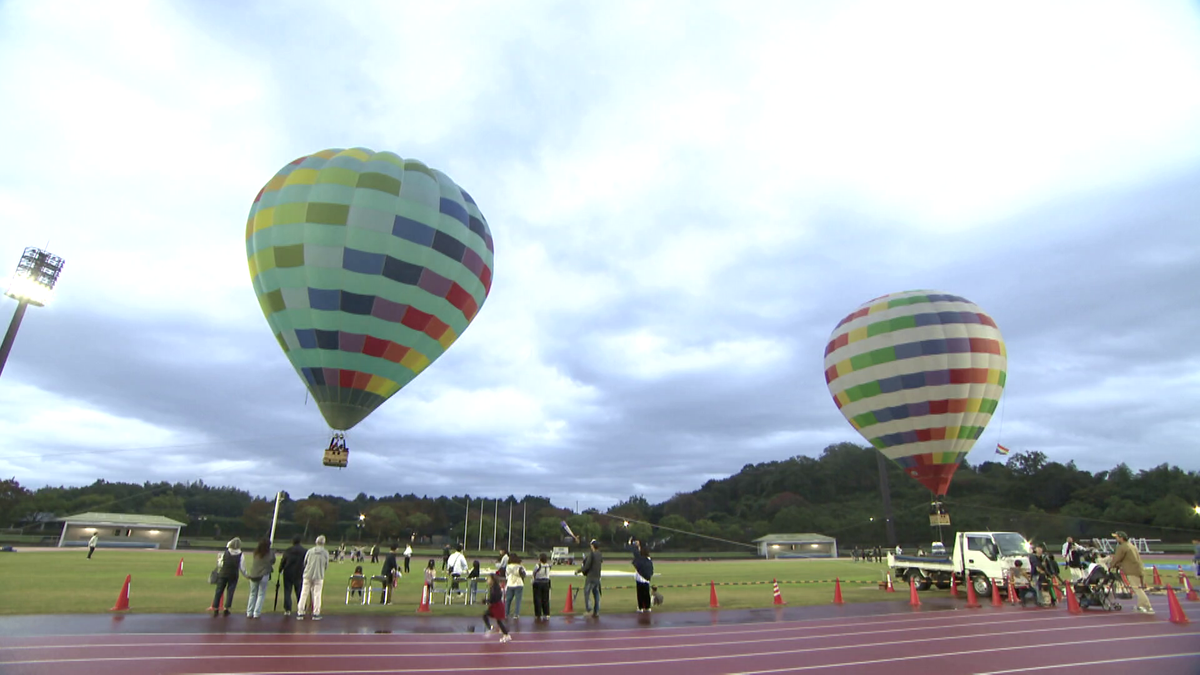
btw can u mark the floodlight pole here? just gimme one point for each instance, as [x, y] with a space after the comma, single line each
[11, 335]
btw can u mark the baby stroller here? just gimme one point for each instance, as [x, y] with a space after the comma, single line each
[1097, 589]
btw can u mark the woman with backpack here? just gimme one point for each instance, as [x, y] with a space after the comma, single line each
[229, 566]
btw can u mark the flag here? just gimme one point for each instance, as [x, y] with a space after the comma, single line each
[1001, 450]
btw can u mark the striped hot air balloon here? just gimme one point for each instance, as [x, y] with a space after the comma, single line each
[919, 375]
[368, 266]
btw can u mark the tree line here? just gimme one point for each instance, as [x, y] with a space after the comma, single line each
[836, 494]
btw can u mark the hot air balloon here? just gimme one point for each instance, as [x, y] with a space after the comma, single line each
[919, 375]
[368, 266]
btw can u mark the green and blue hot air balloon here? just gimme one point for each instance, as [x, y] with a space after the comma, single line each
[368, 266]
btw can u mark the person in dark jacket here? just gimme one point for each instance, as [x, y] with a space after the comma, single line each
[391, 567]
[291, 570]
[593, 561]
[643, 571]
[229, 568]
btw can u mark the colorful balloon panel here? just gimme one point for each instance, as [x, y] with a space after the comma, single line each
[368, 266]
[919, 375]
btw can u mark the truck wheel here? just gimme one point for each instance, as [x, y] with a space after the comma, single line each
[983, 585]
[922, 582]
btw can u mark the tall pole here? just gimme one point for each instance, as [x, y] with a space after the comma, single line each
[480, 547]
[885, 490]
[510, 510]
[11, 335]
[275, 517]
[495, 523]
[466, 518]
[524, 513]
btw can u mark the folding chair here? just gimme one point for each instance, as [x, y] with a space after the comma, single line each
[458, 586]
[440, 585]
[356, 585]
[384, 589]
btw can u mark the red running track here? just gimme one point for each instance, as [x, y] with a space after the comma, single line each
[890, 639]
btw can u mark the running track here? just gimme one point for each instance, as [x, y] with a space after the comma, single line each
[941, 637]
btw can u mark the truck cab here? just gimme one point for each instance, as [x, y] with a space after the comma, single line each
[981, 558]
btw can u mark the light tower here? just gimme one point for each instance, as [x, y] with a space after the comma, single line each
[33, 284]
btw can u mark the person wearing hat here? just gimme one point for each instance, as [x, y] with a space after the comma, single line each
[1128, 560]
[593, 561]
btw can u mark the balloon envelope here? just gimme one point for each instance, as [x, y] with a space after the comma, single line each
[919, 375]
[368, 266]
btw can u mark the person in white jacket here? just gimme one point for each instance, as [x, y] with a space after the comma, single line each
[316, 560]
[457, 566]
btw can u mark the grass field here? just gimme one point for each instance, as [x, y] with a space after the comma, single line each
[65, 582]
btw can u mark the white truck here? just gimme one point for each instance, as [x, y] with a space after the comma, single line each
[980, 557]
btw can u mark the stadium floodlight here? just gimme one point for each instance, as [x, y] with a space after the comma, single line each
[32, 284]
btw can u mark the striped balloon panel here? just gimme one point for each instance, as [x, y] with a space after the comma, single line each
[368, 267]
[919, 375]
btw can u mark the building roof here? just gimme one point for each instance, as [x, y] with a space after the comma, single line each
[801, 538]
[91, 518]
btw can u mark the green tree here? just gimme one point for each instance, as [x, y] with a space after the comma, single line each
[167, 505]
[417, 523]
[382, 522]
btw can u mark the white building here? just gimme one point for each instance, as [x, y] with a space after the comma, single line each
[120, 530]
[803, 545]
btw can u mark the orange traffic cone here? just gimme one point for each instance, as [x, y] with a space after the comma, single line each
[972, 599]
[1054, 589]
[424, 608]
[837, 591]
[569, 608]
[779, 596]
[712, 595]
[913, 598]
[1072, 601]
[220, 604]
[1177, 615]
[1191, 592]
[890, 588]
[123, 599]
[996, 600]
[179, 570]
[1157, 579]
[953, 586]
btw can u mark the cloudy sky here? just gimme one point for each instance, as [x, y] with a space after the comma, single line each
[685, 197]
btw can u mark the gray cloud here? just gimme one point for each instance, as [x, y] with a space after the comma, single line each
[683, 209]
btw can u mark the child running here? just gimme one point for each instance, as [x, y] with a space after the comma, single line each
[495, 608]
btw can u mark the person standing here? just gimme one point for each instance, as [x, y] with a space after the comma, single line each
[541, 588]
[513, 593]
[593, 561]
[375, 553]
[259, 573]
[643, 568]
[445, 556]
[407, 556]
[291, 571]
[1128, 560]
[1196, 556]
[390, 569]
[316, 561]
[96, 540]
[457, 566]
[229, 566]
